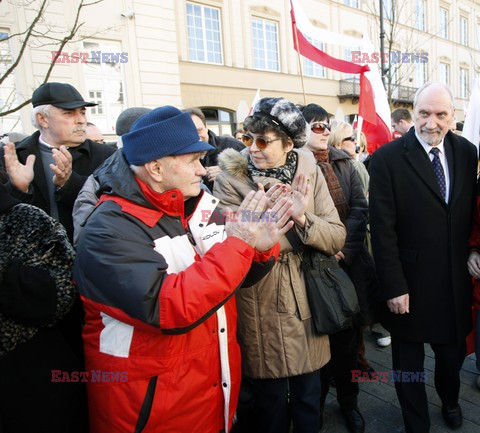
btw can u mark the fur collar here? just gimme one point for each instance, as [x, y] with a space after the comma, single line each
[234, 162]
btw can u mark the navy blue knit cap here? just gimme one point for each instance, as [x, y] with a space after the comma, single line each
[162, 132]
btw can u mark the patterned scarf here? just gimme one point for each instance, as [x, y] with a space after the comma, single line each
[334, 187]
[284, 173]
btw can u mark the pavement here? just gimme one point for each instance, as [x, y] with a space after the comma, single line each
[378, 400]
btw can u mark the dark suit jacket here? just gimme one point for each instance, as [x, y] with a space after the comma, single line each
[86, 158]
[420, 243]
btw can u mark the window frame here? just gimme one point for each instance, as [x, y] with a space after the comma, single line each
[421, 13]
[463, 83]
[266, 60]
[204, 30]
[443, 26]
[441, 75]
[463, 31]
[318, 71]
[100, 81]
[352, 3]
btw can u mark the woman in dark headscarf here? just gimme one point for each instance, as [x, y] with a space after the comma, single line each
[281, 354]
[36, 291]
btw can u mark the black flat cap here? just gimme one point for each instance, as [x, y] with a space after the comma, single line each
[60, 95]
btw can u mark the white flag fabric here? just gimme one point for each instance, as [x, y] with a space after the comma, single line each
[471, 126]
[255, 100]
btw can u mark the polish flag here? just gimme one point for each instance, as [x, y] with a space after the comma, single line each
[379, 132]
[372, 105]
[254, 102]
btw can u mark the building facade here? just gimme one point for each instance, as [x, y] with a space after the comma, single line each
[215, 54]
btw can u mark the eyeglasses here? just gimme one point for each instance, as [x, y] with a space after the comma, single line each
[261, 142]
[352, 138]
[320, 127]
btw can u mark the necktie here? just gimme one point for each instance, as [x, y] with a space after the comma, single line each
[438, 170]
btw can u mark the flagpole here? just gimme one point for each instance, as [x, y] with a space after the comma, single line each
[299, 62]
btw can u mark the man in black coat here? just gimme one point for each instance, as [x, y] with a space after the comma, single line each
[49, 168]
[420, 227]
[210, 162]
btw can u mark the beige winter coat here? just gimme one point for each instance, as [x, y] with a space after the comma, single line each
[274, 322]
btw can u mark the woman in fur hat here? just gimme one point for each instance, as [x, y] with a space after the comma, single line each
[281, 355]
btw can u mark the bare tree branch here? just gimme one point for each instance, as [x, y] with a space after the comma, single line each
[18, 107]
[24, 44]
[34, 37]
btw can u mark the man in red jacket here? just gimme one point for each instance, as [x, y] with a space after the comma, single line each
[157, 269]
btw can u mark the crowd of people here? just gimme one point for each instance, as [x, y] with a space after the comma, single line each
[183, 306]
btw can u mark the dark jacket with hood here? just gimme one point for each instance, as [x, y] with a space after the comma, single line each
[357, 263]
[157, 276]
[220, 143]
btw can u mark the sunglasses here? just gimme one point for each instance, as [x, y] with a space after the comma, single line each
[261, 142]
[352, 138]
[320, 127]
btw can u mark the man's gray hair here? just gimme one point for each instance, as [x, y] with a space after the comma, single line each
[426, 85]
[44, 109]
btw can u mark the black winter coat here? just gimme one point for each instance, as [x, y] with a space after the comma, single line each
[420, 242]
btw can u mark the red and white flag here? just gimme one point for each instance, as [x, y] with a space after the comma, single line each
[379, 132]
[372, 105]
[255, 100]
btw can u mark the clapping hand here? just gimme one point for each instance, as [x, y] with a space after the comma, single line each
[21, 175]
[300, 192]
[62, 168]
[276, 193]
[259, 229]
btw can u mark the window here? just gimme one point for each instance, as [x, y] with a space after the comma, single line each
[463, 31]
[477, 43]
[265, 44]
[105, 84]
[220, 121]
[348, 58]
[420, 74]
[204, 42]
[388, 9]
[96, 96]
[463, 83]
[443, 23]
[8, 94]
[444, 73]
[312, 69]
[352, 3]
[420, 15]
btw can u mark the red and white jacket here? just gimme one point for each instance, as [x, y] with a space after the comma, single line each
[158, 292]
